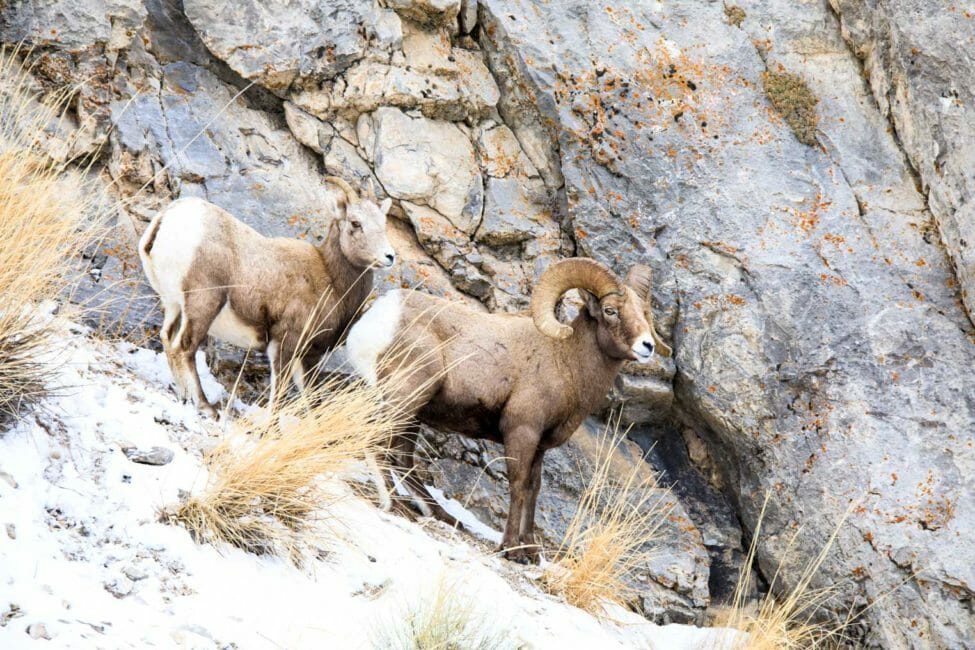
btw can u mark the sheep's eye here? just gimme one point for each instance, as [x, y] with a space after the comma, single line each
[355, 224]
[609, 311]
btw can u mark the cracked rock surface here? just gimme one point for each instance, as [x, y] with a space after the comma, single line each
[815, 295]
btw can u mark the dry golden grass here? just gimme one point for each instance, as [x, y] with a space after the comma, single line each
[45, 219]
[792, 621]
[448, 620]
[610, 537]
[266, 492]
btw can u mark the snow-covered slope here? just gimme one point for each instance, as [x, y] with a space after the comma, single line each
[84, 561]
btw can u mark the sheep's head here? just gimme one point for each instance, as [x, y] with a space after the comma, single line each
[621, 309]
[362, 228]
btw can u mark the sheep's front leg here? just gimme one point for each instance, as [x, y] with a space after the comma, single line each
[528, 515]
[284, 365]
[520, 447]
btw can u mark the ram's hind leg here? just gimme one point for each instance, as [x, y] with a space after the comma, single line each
[412, 377]
[403, 468]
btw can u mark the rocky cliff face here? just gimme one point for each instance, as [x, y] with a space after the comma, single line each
[798, 174]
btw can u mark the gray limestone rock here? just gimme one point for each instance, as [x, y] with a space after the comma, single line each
[819, 344]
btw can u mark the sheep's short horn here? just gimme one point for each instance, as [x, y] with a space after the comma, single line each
[574, 273]
[640, 279]
[350, 193]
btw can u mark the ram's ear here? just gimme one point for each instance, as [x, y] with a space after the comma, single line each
[640, 279]
[592, 302]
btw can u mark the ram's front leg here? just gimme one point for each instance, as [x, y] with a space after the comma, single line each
[520, 447]
[527, 534]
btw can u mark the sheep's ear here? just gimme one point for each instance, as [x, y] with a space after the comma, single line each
[386, 205]
[640, 279]
[592, 303]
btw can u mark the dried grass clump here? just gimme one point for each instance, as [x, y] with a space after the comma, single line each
[794, 621]
[792, 99]
[734, 14]
[610, 537]
[267, 492]
[447, 621]
[44, 221]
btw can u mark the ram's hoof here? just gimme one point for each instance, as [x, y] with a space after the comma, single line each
[521, 555]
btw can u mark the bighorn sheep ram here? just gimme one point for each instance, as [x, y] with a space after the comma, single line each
[216, 275]
[526, 382]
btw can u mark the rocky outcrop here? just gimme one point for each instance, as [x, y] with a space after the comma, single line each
[919, 59]
[818, 331]
[823, 351]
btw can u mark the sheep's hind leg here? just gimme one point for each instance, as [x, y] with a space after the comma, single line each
[205, 305]
[403, 468]
[167, 334]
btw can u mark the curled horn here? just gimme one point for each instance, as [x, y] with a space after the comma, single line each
[350, 193]
[575, 273]
[640, 279]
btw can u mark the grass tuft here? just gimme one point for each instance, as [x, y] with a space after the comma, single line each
[45, 220]
[446, 621]
[734, 14]
[797, 619]
[792, 99]
[610, 538]
[267, 492]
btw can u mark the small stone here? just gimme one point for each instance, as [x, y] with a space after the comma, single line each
[119, 587]
[153, 456]
[9, 480]
[11, 531]
[38, 631]
[135, 573]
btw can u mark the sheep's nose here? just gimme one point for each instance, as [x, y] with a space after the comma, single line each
[390, 258]
[648, 345]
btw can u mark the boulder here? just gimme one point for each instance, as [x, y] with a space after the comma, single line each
[281, 44]
[430, 163]
[72, 25]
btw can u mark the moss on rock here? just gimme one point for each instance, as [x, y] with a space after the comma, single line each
[792, 99]
[734, 14]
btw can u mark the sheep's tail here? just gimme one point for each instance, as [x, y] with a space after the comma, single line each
[145, 247]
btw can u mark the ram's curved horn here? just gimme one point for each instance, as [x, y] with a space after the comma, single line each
[640, 279]
[574, 273]
[350, 194]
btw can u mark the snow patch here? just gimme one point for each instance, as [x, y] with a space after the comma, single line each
[82, 550]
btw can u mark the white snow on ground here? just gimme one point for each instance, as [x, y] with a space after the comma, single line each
[82, 553]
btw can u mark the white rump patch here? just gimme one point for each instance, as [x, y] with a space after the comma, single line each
[177, 239]
[374, 332]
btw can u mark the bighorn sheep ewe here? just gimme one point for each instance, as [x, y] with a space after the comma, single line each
[216, 275]
[526, 382]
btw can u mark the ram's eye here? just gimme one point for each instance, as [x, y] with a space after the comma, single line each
[609, 311]
[355, 224]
